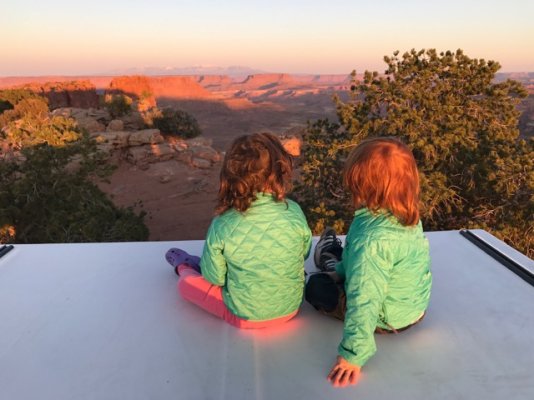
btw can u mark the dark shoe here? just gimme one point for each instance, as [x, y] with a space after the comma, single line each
[326, 296]
[328, 243]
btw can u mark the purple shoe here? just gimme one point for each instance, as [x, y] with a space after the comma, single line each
[177, 257]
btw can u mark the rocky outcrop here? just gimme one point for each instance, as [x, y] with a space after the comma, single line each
[115, 125]
[91, 119]
[148, 146]
[137, 88]
[145, 136]
[133, 121]
[112, 140]
[292, 144]
[97, 120]
[145, 91]
[100, 82]
[79, 94]
[143, 155]
[292, 140]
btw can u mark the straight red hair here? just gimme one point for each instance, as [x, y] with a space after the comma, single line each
[381, 173]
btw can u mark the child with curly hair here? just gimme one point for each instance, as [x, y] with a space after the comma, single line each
[251, 273]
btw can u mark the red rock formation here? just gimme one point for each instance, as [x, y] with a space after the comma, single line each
[214, 81]
[137, 87]
[171, 87]
[100, 82]
[266, 81]
[134, 86]
[79, 94]
[146, 90]
[178, 87]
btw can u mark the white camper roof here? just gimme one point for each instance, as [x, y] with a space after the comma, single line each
[104, 321]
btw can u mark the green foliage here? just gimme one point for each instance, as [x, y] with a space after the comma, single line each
[149, 115]
[146, 94]
[177, 122]
[14, 96]
[118, 105]
[462, 129]
[28, 124]
[319, 188]
[47, 189]
[14, 103]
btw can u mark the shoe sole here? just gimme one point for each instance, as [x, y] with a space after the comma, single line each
[331, 256]
[317, 251]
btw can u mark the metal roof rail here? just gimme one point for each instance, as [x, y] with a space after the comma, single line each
[522, 271]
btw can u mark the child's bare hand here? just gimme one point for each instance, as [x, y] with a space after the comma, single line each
[343, 373]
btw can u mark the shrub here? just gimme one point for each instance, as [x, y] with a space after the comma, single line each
[14, 96]
[177, 122]
[15, 103]
[118, 105]
[463, 130]
[149, 116]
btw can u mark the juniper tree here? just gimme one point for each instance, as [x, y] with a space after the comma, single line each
[463, 130]
[48, 170]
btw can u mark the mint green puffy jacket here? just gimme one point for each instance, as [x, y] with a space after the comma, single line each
[387, 280]
[258, 258]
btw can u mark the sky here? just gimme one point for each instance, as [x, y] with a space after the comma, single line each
[58, 37]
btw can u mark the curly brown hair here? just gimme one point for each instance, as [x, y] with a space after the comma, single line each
[381, 173]
[254, 164]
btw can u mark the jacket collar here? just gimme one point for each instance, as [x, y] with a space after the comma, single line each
[262, 198]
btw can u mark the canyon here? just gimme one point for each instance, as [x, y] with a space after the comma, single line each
[178, 188]
[178, 193]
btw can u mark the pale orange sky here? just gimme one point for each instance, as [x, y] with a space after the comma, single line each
[72, 37]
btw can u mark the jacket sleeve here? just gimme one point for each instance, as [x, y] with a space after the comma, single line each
[307, 240]
[367, 274]
[340, 270]
[212, 263]
[303, 227]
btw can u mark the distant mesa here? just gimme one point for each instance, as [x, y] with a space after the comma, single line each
[83, 93]
[227, 91]
[179, 87]
[333, 79]
[235, 71]
[287, 81]
[266, 81]
[172, 87]
[210, 81]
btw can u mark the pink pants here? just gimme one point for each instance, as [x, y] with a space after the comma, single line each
[194, 288]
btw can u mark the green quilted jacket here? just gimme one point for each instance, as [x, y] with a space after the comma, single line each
[258, 258]
[387, 280]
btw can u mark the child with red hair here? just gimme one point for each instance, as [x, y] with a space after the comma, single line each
[380, 281]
